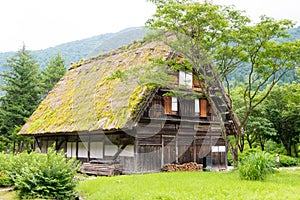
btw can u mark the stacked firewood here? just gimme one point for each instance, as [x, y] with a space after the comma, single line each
[101, 169]
[191, 166]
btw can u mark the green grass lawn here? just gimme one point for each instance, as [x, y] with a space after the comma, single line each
[192, 185]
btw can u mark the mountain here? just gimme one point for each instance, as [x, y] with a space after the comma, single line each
[124, 37]
[76, 50]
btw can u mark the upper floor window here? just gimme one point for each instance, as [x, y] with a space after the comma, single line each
[171, 105]
[186, 79]
[201, 107]
[174, 104]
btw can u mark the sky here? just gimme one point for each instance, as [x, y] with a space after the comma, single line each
[40, 24]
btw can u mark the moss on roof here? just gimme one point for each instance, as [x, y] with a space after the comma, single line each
[85, 100]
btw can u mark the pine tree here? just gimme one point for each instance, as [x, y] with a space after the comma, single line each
[21, 95]
[54, 70]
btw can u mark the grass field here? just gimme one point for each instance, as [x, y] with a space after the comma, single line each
[192, 185]
[187, 185]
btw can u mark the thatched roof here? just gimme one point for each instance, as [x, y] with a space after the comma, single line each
[85, 100]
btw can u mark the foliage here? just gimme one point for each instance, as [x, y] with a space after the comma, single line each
[287, 161]
[283, 110]
[256, 166]
[55, 69]
[48, 176]
[258, 128]
[205, 33]
[177, 185]
[4, 168]
[21, 94]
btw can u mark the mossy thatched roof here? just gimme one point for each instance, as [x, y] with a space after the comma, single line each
[85, 100]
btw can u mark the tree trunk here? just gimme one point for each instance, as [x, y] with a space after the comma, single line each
[296, 150]
[222, 107]
[242, 143]
[262, 145]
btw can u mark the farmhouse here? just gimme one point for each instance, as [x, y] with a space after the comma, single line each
[92, 116]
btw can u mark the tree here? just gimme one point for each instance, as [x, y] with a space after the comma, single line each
[258, 128]
[283, 110]
[217, 40]
[21, 95]
[55, 69]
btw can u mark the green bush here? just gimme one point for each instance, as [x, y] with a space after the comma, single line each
[287, 161]
[5, 167]
[256, 166]
[47, 176]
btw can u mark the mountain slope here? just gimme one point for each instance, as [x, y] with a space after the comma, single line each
[122, 38]
[76, 50]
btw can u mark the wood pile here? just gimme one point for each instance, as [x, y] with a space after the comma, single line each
[191, 166]
[101, 169]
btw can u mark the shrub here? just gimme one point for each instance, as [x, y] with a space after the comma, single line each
[5, 167]
[47, 176]
[287, 161]
[39, 175]
[256, 166]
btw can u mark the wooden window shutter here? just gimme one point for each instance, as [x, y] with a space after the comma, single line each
[168, 105]
[196, 82]
[203, 107]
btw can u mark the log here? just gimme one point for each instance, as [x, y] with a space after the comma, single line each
[191, 166]
[101, 169]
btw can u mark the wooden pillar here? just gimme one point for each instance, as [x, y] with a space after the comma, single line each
[77, 148]
[195, 149]
[162, 151]
[47, 145]
[210, 150]
[89, 148]
[176, 147]
[136, 154]
[66, 146]
[56, 144]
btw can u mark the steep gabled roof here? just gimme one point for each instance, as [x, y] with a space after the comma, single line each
[85, 100]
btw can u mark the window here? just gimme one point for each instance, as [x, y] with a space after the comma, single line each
[174, 104]
[186, 79]
[171, 105]
[201, 107]
[197, 106]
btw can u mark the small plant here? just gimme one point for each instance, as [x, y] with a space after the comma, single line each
[256, 166]
[47, 176]
[287, 161]
[5, 166]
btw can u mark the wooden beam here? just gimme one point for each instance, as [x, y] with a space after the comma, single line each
[176, 147]
[38, 144]
[162, 151]
[77, 148]
[89, 149]
[195, 150]
[119, 151]
[58, 145]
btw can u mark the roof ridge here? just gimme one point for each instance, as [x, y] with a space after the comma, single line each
[132, 46]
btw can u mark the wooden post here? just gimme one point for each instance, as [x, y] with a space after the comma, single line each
[136, 154]
[162, 151]
[195, 150]
[176, 147]
[76, 148]
[47, 145]
[89, 149]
